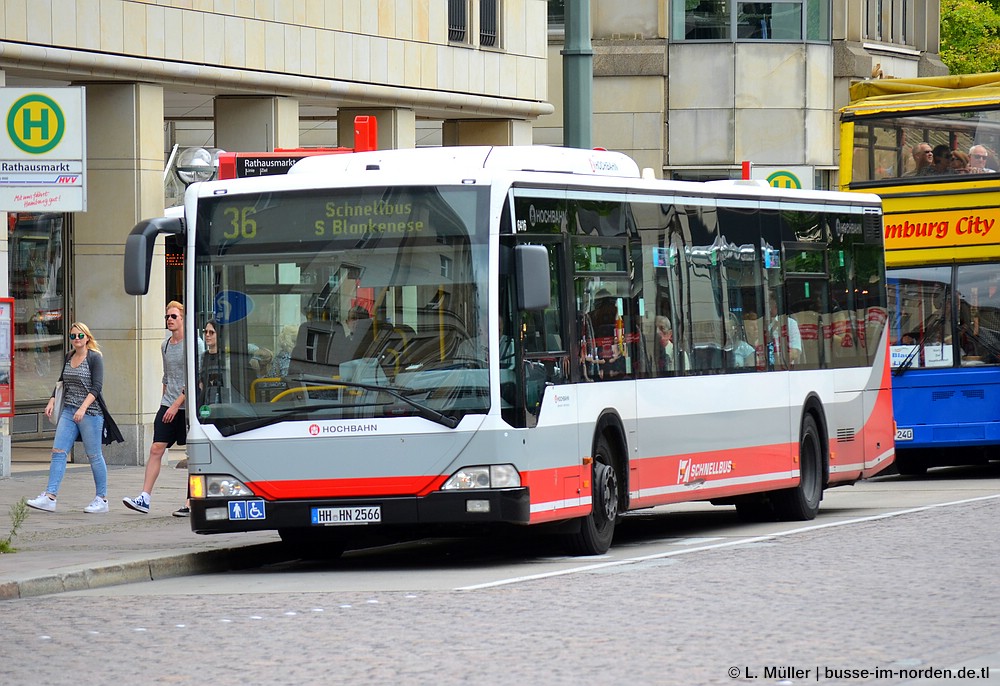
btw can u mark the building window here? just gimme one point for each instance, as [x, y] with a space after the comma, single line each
[458, 21]
[557, 14]
[462, 22]
[887, 21]
[724, 20]
[35, 263]
[489, 23]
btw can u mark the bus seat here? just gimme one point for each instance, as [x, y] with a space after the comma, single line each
[314, 349]
[809, 333]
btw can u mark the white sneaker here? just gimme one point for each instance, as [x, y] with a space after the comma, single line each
[98, 506]
[43, 502]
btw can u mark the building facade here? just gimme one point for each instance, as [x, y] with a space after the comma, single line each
[692, 88]
[240, 75]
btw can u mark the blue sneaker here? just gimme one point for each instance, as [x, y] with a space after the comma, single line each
[140, 503]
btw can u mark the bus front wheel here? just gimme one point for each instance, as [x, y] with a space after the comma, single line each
[313, 544]
[802, 501]
[598, 528]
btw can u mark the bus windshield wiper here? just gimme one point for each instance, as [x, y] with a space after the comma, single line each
[280, 414]
[396, 392]
[908, 362]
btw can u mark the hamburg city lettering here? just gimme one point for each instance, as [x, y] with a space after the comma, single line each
[940, 229]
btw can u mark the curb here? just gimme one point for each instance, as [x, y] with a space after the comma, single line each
[163, 567]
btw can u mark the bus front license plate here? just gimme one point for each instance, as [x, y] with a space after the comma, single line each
[345, 516]
[904, 434]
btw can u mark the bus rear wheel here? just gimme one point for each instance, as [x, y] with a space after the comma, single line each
[598, 528]
[802, 501]
[911, 462]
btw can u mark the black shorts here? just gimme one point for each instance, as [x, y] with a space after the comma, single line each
[170, 432]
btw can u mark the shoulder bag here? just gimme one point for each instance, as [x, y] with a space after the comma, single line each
[59, 394]
[57, 407]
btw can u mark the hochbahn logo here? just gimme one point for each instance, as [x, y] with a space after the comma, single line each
[316, 429]
[35, 124]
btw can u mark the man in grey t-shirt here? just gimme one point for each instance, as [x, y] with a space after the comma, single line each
[170, 425]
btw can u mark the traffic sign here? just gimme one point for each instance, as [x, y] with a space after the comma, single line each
[232, 306]
[790, 176]
[43, 150]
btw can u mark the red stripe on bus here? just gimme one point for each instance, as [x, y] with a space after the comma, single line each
[686, 477]
[374, 487]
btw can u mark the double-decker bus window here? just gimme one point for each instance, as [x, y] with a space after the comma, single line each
[921, 324]
[978, 289]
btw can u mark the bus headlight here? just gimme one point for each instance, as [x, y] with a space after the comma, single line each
[223, 486]
[483, 476]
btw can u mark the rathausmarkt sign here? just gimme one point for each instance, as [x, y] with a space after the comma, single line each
[43, 150]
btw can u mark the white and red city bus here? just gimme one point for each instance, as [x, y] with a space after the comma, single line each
[419, 341]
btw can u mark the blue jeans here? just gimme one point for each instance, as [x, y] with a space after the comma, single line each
[90, 430]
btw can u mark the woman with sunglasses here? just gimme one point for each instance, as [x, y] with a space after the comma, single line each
[82, 418]
[210, 372]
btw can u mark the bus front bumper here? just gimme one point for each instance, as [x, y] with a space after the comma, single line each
[466, 507]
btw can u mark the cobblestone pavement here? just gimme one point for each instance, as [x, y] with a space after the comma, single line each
[914, 592]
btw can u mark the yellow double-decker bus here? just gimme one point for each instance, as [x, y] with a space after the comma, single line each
[928, 147]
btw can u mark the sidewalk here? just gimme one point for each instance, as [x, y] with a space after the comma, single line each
[71, 550]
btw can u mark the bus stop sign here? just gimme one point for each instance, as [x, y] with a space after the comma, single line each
[232, 306]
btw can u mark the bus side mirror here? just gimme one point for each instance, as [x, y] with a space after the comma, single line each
[139, 251]
[531, 264]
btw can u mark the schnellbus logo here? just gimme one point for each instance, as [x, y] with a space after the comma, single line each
[35, 123]
[784, 179]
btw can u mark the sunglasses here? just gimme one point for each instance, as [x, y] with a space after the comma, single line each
[171, 316]
[976, 154]
[77, 336]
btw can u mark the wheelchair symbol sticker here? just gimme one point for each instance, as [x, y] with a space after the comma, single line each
[246, 509]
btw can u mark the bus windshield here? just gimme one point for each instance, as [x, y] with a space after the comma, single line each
[923, 330]
[342, 304]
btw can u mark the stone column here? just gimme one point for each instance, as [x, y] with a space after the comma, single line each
[486, 132]
[252, 124]
[397, 128]
[125, 162]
